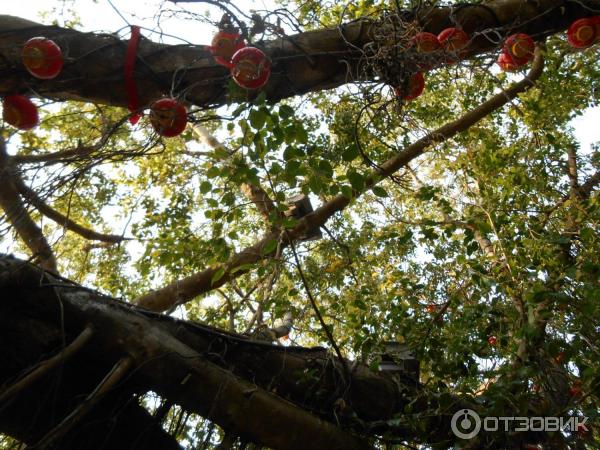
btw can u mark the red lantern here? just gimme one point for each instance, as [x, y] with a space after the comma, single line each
[414, 87]
[168, 117]
[426, 42]
[509, 63]
[42, 58]
[582, 33]
[453, 40]
[596, 22]
[520, 46]
[20, 112]
[224, 45]
[250, 68]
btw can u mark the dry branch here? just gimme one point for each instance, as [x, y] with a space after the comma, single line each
[46, 366]
[117, 373]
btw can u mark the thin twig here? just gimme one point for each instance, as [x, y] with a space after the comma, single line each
[46, 366]
[346, 373]
[116, 374]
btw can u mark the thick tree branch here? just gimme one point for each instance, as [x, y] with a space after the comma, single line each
[304, 62]
[165, 350]
[186, 289]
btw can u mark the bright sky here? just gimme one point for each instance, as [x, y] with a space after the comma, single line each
[99, 15]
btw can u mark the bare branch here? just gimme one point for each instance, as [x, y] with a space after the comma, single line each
[46, 366]
[119, 370]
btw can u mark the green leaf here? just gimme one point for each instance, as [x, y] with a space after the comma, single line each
[205, 187]
[356, 180]
[325, 168]
[286, 111]
[258, 118]
[269, 247]
[213, 172]
[291, 152]
[217, 275]
[380, 192]
[292, 167]
[350, 153]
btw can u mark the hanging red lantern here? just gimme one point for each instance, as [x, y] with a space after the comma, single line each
[520, 46]
[596, 22]
[509, 63]
[250, 68]
[168, 117]
[224, 45]
[20, 112]
[453, 40]
[413, 88]
[42, 58]
[582, 33]
[426, 42]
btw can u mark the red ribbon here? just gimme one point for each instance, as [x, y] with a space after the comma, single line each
[130, 86]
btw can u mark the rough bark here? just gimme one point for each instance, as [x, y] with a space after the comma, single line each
[302, 63]
[250, 387]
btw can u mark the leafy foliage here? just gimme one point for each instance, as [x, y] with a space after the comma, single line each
[482, 236]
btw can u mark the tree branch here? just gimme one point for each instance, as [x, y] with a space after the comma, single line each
[18, 216]
[166, 350]
[61, 219]
[119, 370]
[305, 62]
[254, 192]
[186, 289]
[46, 366]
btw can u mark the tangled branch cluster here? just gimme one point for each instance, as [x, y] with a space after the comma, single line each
[392, 55]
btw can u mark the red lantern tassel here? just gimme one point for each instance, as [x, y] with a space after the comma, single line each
[130, 86]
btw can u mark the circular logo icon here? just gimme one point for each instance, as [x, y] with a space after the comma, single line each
[465, 424]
